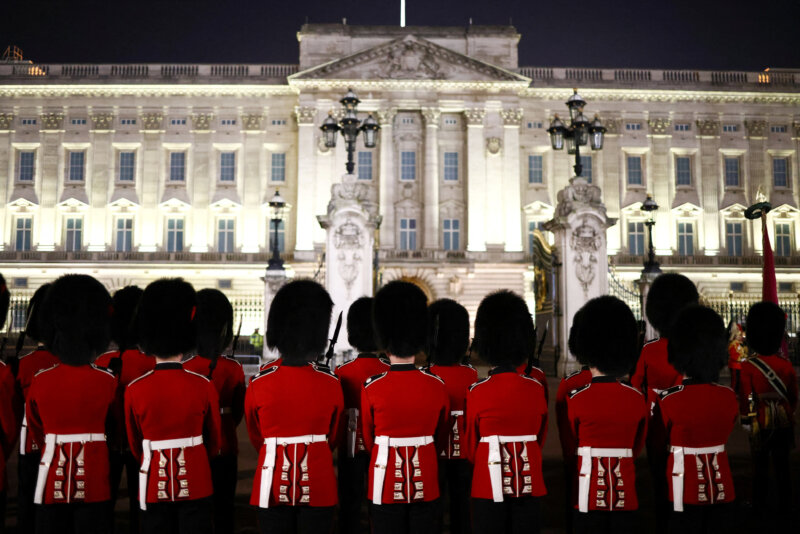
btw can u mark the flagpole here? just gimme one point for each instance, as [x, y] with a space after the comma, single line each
[402, 13]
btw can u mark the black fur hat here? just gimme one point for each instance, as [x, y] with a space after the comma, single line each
[75, 319]
[698, 343]
[504, 329]
[399, 315]
[123, 325]
[448, 332]
[299, 319]
[5, 301]
[765, 327]
[33, 330]
[669, 293]
[607, 337]
[166, 318]
[214, 322]
[359, 326]
[574, 333]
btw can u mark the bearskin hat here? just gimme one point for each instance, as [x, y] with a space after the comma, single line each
[574, 336]
[448, 332]
[359, 325]
[607, 337]
[298, 322]
[504, 329]
[166, 318]
[214, 321]
[75, 319]
[5, 301]
[698, 343]
[765, 327]
[399, 315]
[669, 293]
[33, 329]
[123, 320]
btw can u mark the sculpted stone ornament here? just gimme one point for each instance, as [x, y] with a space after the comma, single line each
[578, 192]
[658, 126]
[202, 121]
[431, 116]
[348, 241]
[612, 124]
[407, 60]
[102, 121]
[494, 145]
[795, 126]
[6, 120]
[305, 114]
[586, 243]
[386, 116]
[756, 128]
[475, 116]
[252, 121]
[52, 121]
[511, 117]
[152, 121]
[708, 127]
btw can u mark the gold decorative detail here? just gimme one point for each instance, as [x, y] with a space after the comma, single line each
[475, 116]
[102, 121]
[795, 126]
[152, 121]
[659, 125]
[612, 125]
[6, 120]
[708, 127]
[431, 116]
[202, 121]
[511, 117]
[252, 121]
[494, 145]
[52, 121]
[756, 128]
[386, 116]
[305, 114]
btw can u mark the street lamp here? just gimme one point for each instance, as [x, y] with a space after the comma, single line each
[578, 133]
[277, 208]
[650, 265]
[350, 126]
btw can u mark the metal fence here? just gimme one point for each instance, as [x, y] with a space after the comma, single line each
[626, 292]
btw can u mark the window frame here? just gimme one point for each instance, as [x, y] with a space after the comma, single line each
[731, 238]
[411, 167]
[280, 158]
[686, 237]
[227, 168]
[683, 173]
[120, 166]
[179, 232]
[171, 167]
[70, 167]
[451, 236]
[73, 243]
[725, 171]
[229, 237]
[628, 159]
[638, 230]
[364, 168]
[786, 172]
[27, 243]
[18, 174]
[532, 170]
[127, 232]
[408, 235]
[781, 238]
[451, 167]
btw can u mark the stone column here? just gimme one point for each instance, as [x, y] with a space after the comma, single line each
[430, 238]
[306, 148]
[512, 206]
[476, 180]
[579, 226]
[387, 178]
[273, 281]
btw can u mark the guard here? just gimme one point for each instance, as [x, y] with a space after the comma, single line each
[10, 409]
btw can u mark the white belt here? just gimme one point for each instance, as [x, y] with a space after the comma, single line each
[23, 433]
[352, 430]
[159, 445]
[268, 467]
[584, 479]
[50, 442]
[678, 469]
[382, 458]
[456, 413]
[495, 461]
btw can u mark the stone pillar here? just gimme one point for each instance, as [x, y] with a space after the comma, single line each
[306, 148]
[430, 238]
[387, 178]
[476, 180]
[512, 205]
[273, 281]
[579, 226]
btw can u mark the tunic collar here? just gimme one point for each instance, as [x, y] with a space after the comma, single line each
[502, 369]
[168, 365]
[403, 367]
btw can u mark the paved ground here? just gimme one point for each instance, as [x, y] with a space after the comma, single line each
[738, 451]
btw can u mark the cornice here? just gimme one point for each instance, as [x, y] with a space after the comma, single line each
[144, 91]
[324, 85]
[668, 96]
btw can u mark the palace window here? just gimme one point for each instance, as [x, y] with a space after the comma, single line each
[174, 234]
[686, 238]
[73, 234]
[28, 122]
[127, 122]
[451, 166]
[535, 125]
[730, 128]
[78, 122]
[408, 234]
[586, 171]
[408, 165]
[127, 166]
[636, 238]
[450, 121]
[733, 238]
[177, 166]
[278, 167]
[634, 170]
[178, 122]
[683, 170]
[452, 230]
[633, 126]
[783, 239]
[364, 165]
[225, 234]
[227, 166]
[227, 122]
[778, 129]
[780, 172]
[24, 233]
[77, 162]
[279, 122]
[535, 169]
[682, 127]
[124, 235]
[281, 236]
[732, 172]
[27, 165]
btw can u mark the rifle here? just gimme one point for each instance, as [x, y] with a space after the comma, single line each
[4, 342]
[213, 364]
[535, 358]
[13, 362]
[434, 341]
[333, 340]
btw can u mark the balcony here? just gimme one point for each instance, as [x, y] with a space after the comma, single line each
[627, 260]
[58, 256]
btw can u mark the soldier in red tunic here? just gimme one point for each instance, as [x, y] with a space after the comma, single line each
[294, 413]
[506, 421]
[29, 454]
[607, 419]
[10, 409]
[172, 416]
[693, 421]
[406, 418]
[70, 410]
[353, 456]
[127, 363]
[768, 400]
[214, 333]
[448, 341]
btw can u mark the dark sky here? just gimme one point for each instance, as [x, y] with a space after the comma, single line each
[702, 34]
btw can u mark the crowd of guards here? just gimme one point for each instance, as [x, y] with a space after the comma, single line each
[165, 403]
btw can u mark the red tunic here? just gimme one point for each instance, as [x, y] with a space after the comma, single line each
[698, 416]
[66, 400]
[406, 402]
[29, 365]
[287, 402]
[753, 381]
[10, 407]
[228, 379]
[352, 376]
[507, 404]
[568, 384]
[536, 373]
[653, 369]
[610, 415]
[457, 380]
[169, 403]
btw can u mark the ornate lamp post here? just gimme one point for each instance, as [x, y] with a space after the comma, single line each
[350, 126]
[578, 133]
[650, 265]
[277, 207]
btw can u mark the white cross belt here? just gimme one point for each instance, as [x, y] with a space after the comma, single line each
[679, 468]
[495, 461]
[268, 466]
[584, 479]
[382, 458]
[50, 442]
[159, 445]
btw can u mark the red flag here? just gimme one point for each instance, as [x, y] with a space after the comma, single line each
[769, 289]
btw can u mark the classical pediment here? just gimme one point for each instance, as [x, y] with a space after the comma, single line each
[687, 209]
[73, 197]
[734, 211]
[225, 201]
[409, 58]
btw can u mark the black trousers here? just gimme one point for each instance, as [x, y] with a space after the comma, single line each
[702, 519]
[352, 491]
[414, 518]
[515, 515]
[117, 462]
[657, 461]
[296, 519]
[224, 475]
[74, 518]
[28, 469]
[3, 499]
[606, 522]
[185, 517]
[455, 481]
[774, 447]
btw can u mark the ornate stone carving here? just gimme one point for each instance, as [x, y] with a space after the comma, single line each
[252, 121]
[455, 286]
[586, 242]
[494, 145]
[707, 127]
[52, 121]
[102, 121]
[386, 116]
[407, 60]
[658, 125]
[348, 240]
[152, 121]
[305, 114]
[796, 127]
[612, 125]
[202, 121]
[431, 116]
[756, 128]
[511, 117]
[578, 192]
[475, 116]
[6, 120]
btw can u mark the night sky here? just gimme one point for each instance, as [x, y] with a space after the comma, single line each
[703, 34]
